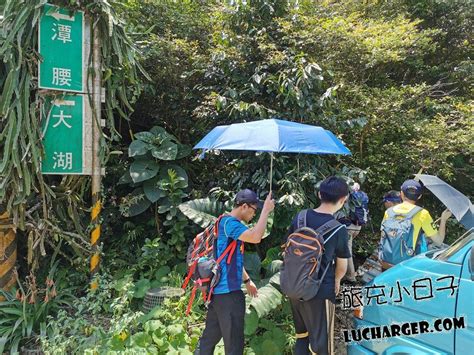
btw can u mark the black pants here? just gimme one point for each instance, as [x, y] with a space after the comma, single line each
[314, 326]
[225, 319]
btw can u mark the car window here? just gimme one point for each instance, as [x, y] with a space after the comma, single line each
[457, 245]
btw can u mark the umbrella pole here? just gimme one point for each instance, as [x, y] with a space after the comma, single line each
[271, 170]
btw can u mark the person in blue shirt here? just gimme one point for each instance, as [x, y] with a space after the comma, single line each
[226, 311]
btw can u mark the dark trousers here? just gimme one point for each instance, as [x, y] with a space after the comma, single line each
[314, 326]
[225, 319]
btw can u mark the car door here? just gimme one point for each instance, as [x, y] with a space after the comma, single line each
[464, 337]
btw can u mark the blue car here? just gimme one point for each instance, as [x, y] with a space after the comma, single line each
[424, 305]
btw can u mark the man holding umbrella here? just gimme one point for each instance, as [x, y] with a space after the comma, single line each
[226, 312]
[406, 225]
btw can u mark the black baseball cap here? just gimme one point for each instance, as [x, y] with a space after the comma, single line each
[249, 197]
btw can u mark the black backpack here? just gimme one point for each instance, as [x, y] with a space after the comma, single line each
[304, 249]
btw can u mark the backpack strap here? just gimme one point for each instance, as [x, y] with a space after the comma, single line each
[334, 226]
[413, 212]
[230, 247]
[190, 275]
[229, 250]
[392, 214]
[301, 219]
[327, 227]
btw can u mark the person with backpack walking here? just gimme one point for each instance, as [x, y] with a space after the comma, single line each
[354, 216]
[226, 310]
[406, 226]
[314, 262]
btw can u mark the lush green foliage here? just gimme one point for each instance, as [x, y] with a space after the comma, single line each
[370, 72]
[25, 310]
[154, 180]
[157, 180]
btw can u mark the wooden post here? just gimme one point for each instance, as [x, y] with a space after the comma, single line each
[7, 253]
[96, 167]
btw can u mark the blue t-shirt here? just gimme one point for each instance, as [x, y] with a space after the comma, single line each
[230, 229]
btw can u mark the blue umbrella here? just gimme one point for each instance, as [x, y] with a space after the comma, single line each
[273, 135]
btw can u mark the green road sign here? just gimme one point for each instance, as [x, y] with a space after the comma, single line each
[61, 44]
[66, 136]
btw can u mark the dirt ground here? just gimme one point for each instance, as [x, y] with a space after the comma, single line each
[343, 320]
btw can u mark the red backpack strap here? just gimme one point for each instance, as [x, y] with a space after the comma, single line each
[230, 248]
[190, 274]
[193, 254]
[216, 224]
[191, 300]
[231, 252]
[197, 284]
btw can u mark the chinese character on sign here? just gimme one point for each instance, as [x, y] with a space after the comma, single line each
[451, 286]
[400, 293]
[379, 297]
[61, 76]
[61, 119]
[428, 289]
[351, 297]
[62, 33]
[62, 160]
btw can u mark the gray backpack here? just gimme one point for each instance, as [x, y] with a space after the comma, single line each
[304, 249]
[396, 242]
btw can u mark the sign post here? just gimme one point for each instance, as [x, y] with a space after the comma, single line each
[72, 127]
[96, 168]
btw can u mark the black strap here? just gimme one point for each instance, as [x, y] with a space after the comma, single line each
[337, 229]
[301, 219]
[327, 227]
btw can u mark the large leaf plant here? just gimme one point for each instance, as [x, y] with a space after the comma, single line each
[158, 181]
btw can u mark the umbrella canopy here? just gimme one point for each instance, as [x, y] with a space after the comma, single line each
[273, 135]
[459, 204]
